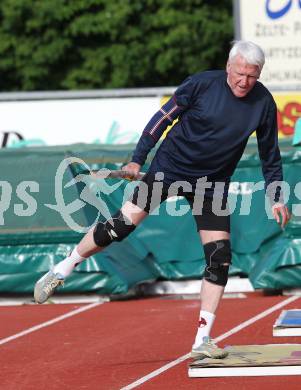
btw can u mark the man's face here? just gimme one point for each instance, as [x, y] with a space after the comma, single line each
[241, 76]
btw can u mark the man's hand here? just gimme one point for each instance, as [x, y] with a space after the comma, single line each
[132, 169]
[280, 209]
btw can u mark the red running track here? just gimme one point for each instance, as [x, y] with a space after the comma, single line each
[112, 345]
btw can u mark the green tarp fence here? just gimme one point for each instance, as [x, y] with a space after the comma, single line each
[37, 223]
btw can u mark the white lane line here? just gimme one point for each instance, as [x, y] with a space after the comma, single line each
[256, 318]
[236, 329]
[50, 322]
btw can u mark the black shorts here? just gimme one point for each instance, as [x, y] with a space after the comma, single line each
[208, 214]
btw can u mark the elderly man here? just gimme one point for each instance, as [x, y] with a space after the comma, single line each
[217, 111]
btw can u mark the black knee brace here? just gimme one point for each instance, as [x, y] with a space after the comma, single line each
[115, 229]
[218, 259]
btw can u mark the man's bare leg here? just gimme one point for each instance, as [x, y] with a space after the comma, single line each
[86, 247]
[211, 295]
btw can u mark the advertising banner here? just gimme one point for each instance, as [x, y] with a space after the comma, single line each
[107, 121]
[275, 25]
[288, 111]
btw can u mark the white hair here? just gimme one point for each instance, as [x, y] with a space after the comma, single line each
[252, 53]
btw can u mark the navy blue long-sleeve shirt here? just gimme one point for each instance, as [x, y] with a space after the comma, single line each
[212, 131]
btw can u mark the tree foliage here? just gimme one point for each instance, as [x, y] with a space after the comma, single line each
[88, 44]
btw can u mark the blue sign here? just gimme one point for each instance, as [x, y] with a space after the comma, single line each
[281, 11]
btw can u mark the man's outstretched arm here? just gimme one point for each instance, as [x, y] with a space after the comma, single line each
[267, 138]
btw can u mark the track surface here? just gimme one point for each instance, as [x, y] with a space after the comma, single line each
[112, 345]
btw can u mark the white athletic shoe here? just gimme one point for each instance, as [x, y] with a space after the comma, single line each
[208, 349]
[46, 286]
